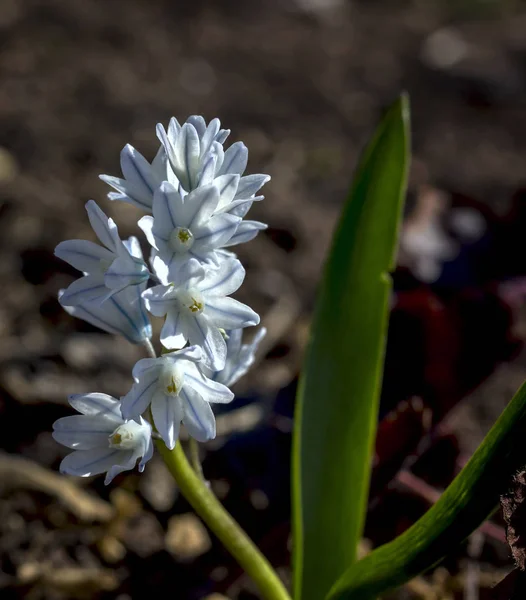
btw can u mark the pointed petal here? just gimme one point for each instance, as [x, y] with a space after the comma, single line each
[236, 158]
[186, 156]
[209, 135]
[224, 280]
[138, 171]
[239, 208]
[198, 123]
[134, 247]
[209, 390]
[250, 184]
[146, 224]
[125, 271]
[246, 231]
[202, 333]
[173, 331]
[82, 432]
[168, 211]
[84, 463]
[85, 289]
[167, 415]
[227, 313]
[200, 204]
[198, 416]
[105, 228]
[122, 314]
[145, 365]
[227, 186]
[126, 462]
[159, 299]
[136, 401]
[190, 353]
[127, 192]
[216, 233]
[96, 404]
[83, 255]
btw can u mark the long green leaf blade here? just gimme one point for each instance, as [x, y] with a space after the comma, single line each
[337, 402]
[467, 502]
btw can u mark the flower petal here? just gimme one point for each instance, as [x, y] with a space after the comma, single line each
[136, 401]
[200, 204]
[84, 463]
[127, 460]
[146, 224]
[185, 157]
[167, 413]
[173, 331]
[202, 333]
[125, 271]
[168, 211]
[122, 314]
[96, 403]
[209, 390]
[198, 418]
[227, 186]
[85, 289]
[216, 233]
[82, 432]
[224, 280]
[249, 185]
[235, 161]
[138, 171]
[227, 313]
[105, 228]
[83, 255]
[246, 231]
[209, 135]
[159, 299]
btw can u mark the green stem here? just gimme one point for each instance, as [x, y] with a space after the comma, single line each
[208, 507]
[462, 508]
[195, 461]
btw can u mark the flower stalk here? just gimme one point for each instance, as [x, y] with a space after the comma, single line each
[208, 507]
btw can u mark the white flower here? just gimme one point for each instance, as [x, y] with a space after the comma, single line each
[101, 439]
[177, 392]
[123, 314]
[198, 308]
[141, 178]
[185, 227]
[240, 357]
[107, 269]
[195, 151]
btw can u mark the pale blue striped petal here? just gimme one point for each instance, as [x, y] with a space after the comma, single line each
[167, 413]
[246, 231]
[96, 403]
[224, 280]
[250, 184]
[227, 313]
[198, 416]
[85, 289]
[82, 432]
[83, 255]
[202, 333]
[216, 233]
[209, 390]
[84, 463]
[235, 161]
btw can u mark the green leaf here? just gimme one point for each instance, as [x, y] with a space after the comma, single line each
[466, 503]
[337, 402]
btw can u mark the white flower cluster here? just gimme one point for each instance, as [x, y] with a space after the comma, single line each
[198, 197]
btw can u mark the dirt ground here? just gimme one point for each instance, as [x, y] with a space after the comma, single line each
[302, 83]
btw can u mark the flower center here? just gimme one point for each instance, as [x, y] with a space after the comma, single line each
[125, 436]
[171, 379]
[181, 239]
[192, 300]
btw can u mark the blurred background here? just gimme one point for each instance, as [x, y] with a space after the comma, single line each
[302, 83]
